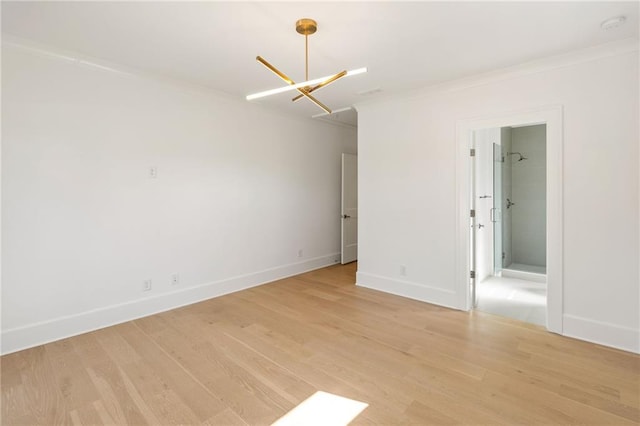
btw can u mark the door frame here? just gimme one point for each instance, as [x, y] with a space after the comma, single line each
[551, 116]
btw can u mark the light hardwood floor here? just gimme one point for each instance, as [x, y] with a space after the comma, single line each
[250, 357]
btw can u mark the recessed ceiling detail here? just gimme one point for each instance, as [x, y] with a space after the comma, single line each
[306, 27]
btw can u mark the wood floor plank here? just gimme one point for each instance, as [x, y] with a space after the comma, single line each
[559, 410]
[275, 376]
[14, 402]
[72, 378]
[228, 417]
[115, 405]
[86, 415]
[103, 413]
[267, 343]
[41, 391]
[248, 358]
[419, 413]
[222, 376]
[172, 375]
[12, 368]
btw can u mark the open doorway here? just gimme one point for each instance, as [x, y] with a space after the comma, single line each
[509, 198]
[467, 221]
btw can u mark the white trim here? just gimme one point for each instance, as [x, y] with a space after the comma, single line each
[602, 333]
[43, 50]
[575, 57]
[552, 116]
[24, 337]
[80, 60]
[412, 290]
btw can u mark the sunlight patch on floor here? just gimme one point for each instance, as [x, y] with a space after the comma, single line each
[323, 408]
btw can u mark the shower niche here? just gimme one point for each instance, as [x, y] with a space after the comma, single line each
[519, 203]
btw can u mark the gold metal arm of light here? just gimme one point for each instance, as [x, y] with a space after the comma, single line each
[274, 70]
[323, 84]
[283, 76]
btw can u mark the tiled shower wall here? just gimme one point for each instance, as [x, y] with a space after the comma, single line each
[528, 189]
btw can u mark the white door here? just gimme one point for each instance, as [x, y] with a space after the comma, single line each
[349, 216]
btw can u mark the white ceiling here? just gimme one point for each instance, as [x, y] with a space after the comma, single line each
[404, 45]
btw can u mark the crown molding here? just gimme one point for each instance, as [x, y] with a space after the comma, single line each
[575, 57]
[85, 61]
[80, 60]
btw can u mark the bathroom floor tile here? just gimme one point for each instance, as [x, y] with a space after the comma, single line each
[514, 298]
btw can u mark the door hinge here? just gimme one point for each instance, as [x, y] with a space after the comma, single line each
[472, 152]
[472, 213]
[472, 274]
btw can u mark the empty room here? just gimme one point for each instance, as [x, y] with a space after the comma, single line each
[320, 213]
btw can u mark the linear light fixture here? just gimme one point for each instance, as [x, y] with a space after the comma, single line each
[306, 27]
[300, 85]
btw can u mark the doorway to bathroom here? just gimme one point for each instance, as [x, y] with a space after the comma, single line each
[509, 233]
[467, 199]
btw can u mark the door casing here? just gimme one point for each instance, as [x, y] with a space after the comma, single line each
[552, 117]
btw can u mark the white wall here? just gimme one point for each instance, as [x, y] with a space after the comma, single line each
[238, 193]
[407, 175]
[529, 186]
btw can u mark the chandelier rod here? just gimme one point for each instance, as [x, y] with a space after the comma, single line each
[306, 57]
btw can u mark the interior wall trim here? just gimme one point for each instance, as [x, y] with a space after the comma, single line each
[549, 63]
[31, 335]
[412, 290]
[602, 333]
[10, 41]
[552, 116]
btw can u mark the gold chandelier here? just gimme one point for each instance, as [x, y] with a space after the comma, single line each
[305, 27]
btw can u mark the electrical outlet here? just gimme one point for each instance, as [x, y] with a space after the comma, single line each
[153, 172]
[403, 270]
[146, 285]
[300, 253]
[175, 279]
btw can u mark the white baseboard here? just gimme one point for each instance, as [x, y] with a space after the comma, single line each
[602, 333]
[412, 290]
[20, 338]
